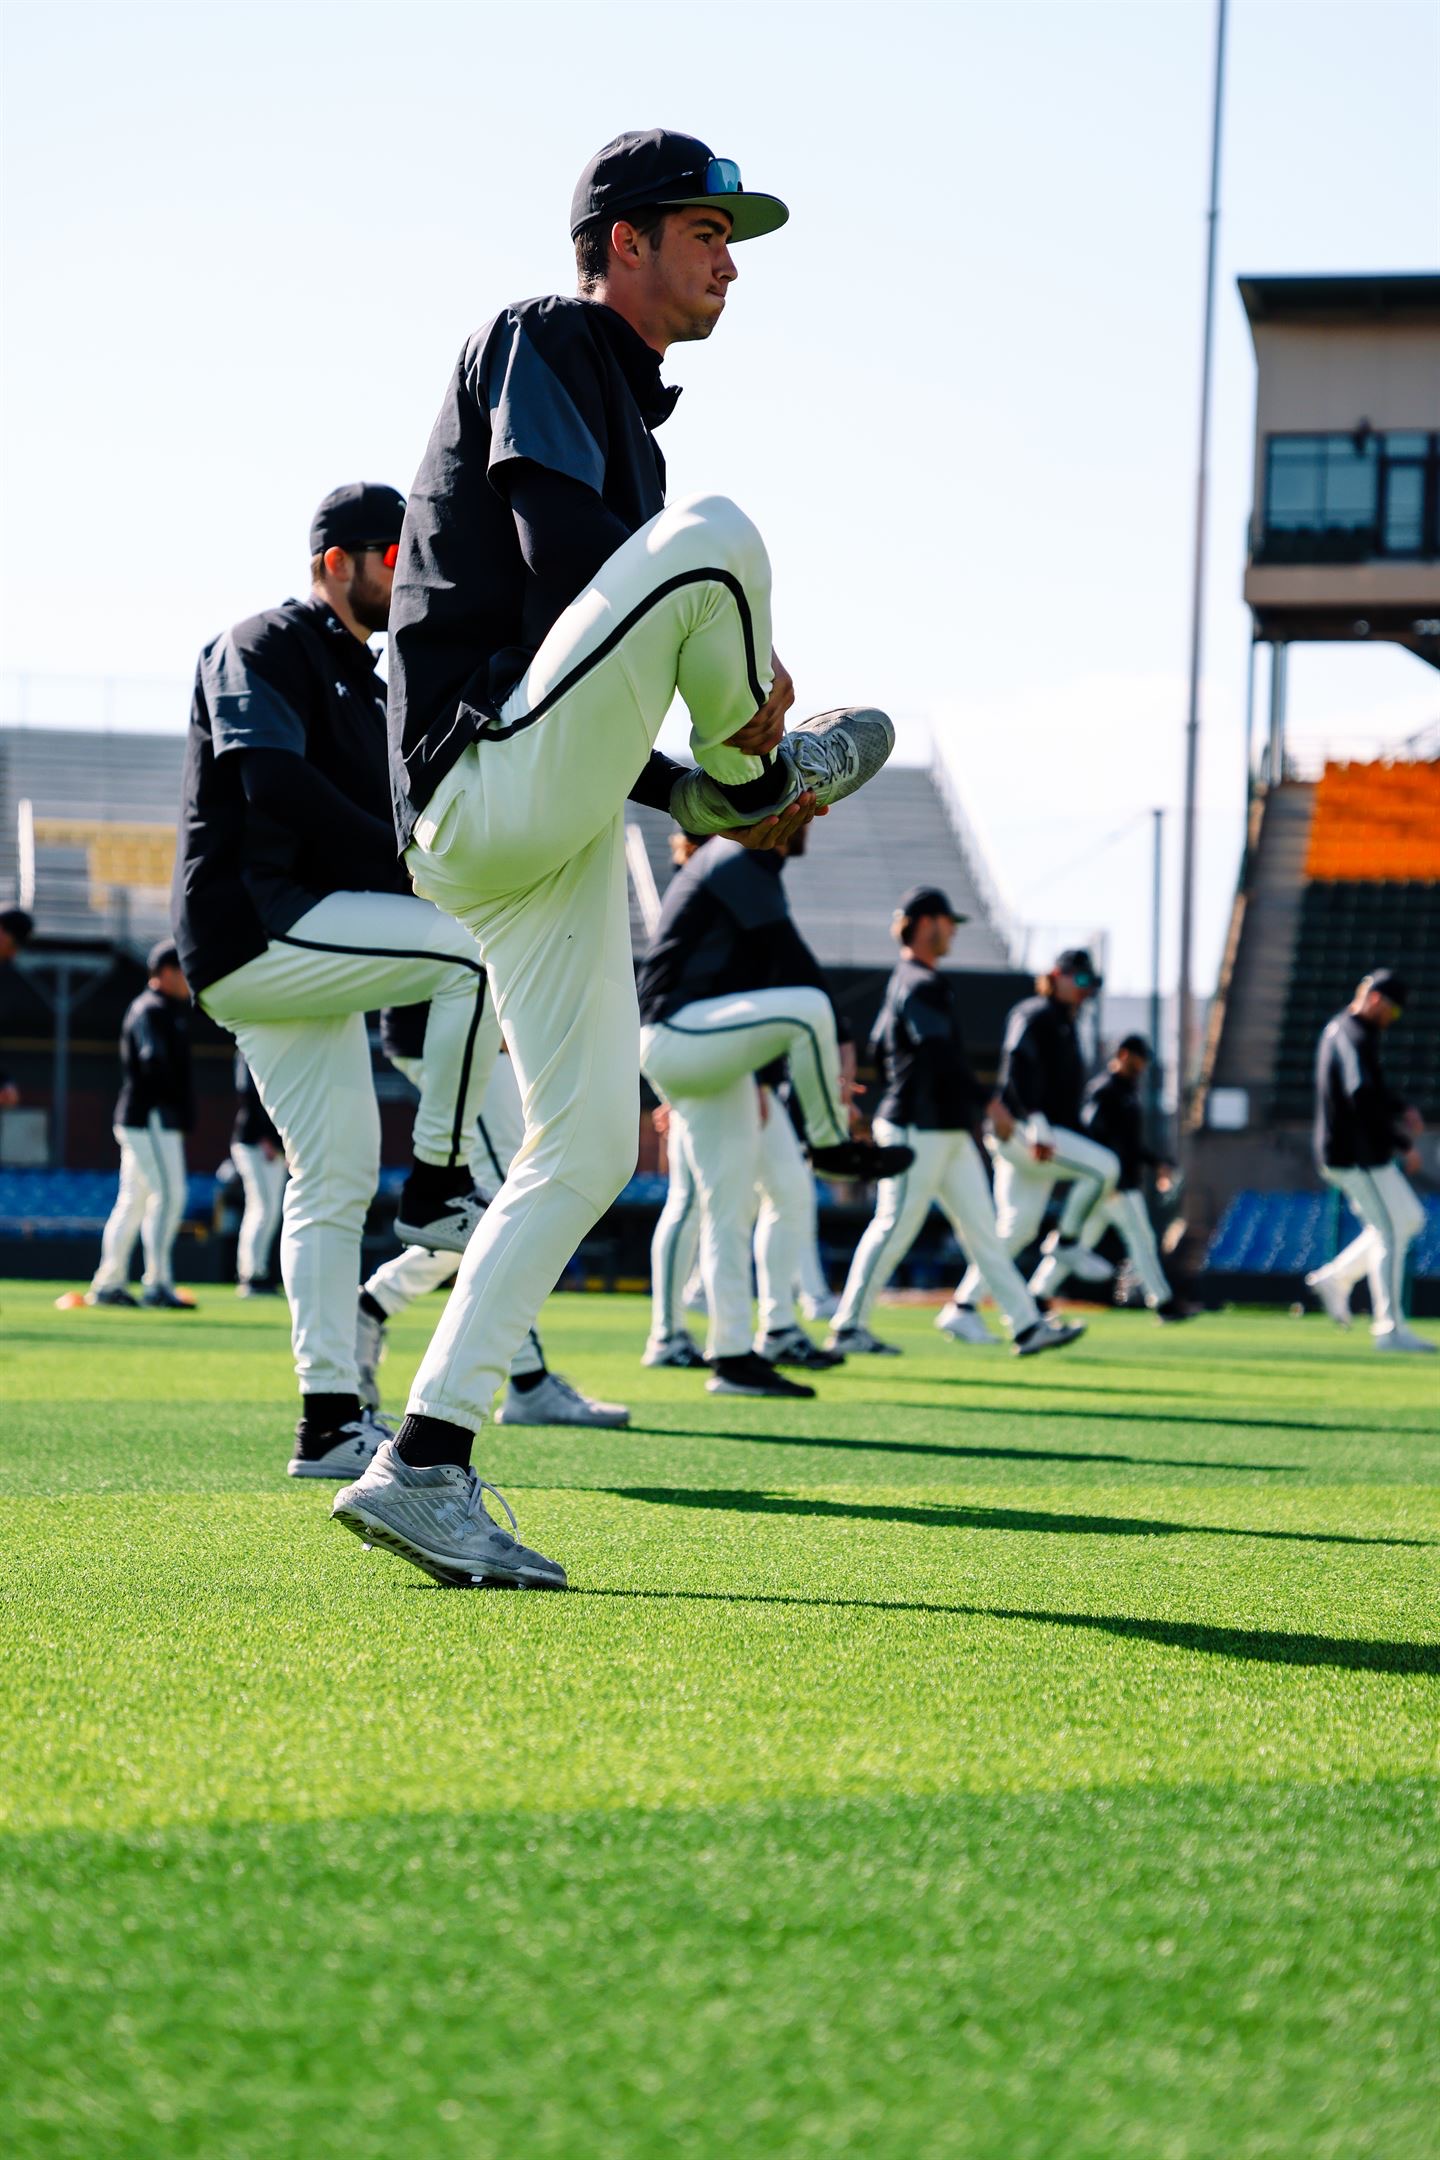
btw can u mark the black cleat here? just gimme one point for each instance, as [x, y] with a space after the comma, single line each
[751, 1375]
[861, 1162]
[794, 1347]
[111, 1297]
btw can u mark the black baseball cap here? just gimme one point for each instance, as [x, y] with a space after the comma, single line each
[165, 954]
[927, 900]
[1076, 962]
[1137, 1046]
[363, 514]
[656, 166]
[1390, 985]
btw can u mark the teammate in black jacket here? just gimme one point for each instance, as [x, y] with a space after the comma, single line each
[1360, 1128]
[1113, 1115]
[1042, 1081]
[729, 986]
[258, 1154]
[154, 1111]
[934, 1105]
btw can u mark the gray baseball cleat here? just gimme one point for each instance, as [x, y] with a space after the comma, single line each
[1335, 1300]
[436, 1519]
[963, 1324]
[555, 1402]
[451, 1226]
[677, 1349]
[1046, 1335]
[831, 755]
[859, 1342]
[112, 1297]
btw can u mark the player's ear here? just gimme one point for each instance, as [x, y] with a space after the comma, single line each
[337, 563]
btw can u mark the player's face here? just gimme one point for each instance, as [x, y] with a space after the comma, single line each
[8, 947]
[690, 273]
[370, 589]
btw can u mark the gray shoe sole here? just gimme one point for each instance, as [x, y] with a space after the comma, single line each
[593, 1424]
[371, 1531]
[322, 1469]
[1059, 1340]
[433, 1240]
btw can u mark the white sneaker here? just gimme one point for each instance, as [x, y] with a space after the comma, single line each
[859, 1342]
[964, 1324]
[355, 1447]
[1403, 1338]
[1073, 1258]
[820, 1308]
[1047, 1335]
[369, 1350]
[678, 1349]
[555, 1402]
[436, 1519]
[834, 754]
[1335, 1300]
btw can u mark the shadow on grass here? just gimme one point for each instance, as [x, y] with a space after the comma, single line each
[1017, 1407]
[1260, 1646]
[975, 1454]
[974, 1518]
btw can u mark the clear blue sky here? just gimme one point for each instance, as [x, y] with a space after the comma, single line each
[243, 243]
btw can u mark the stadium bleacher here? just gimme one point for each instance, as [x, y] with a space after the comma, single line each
[1288, 1233]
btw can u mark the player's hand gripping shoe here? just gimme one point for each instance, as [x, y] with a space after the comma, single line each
[352, 1448]
[555, 1402]
[963, 1324]
[833, 755]
[437, 1520]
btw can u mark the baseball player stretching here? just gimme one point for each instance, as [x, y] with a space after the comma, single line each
[1112, 1115]
[534, 1394]
[933, 1105]
[729, 986]
[1360, 1128]
[258, 1154]
[548, 608]
[154, 1111]
[1042, 1079]
[292, 925]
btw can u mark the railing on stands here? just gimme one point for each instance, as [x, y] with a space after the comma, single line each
[1307, 760]
[999, 915]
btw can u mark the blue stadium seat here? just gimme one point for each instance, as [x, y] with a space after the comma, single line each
[1289, 1233]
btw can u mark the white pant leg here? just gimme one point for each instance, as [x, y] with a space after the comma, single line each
[354, 952]
[683, 605]
[785, 1224]
[1393, 1216]
[965, 1196]
[558, 958]
[122, 1227]
[1022, 1189]
[677, 1236]
[1095, 1171]
[704, 1048]
[723, 1132]
[1130, 1216]
[262, 1178]
[165, 1208]
[901, 1206]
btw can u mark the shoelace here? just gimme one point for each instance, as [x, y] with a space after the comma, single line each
[828, 757]
[476, 1510]
[571, 1394]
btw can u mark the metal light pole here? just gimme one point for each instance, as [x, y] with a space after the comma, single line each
[1185, 1051]
[1157, 1058]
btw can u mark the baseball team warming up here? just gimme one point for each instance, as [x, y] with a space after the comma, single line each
[450, 851]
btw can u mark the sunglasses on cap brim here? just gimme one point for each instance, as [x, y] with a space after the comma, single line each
[387, 550]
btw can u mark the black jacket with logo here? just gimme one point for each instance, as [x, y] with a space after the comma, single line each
[928, 1081]
[1357, 1119]
[1042, 1068]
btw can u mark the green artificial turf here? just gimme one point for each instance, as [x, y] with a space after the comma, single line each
[999, 1760]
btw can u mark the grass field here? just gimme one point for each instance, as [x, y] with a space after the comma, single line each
[998, 1760]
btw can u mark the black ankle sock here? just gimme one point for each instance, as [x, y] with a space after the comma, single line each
[526, 1382]
[321, 1417]
[373, 1309]
[425, 1441]
[430, 1185]
[758, 796]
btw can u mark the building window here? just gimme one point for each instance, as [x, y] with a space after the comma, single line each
[1349, 498]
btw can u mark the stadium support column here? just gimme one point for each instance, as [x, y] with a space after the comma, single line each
[1279, 683]
[1157, 1055]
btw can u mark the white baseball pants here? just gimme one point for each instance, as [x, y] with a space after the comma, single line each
[947, 1170]
[150, 1204]
[1023, 1188]
[499, 1130]
[262, 1179]
[523, 842]
[1127, 1213]
[1393, 1215]
[676, 1239]
[298, 1013]
[703, 1061]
